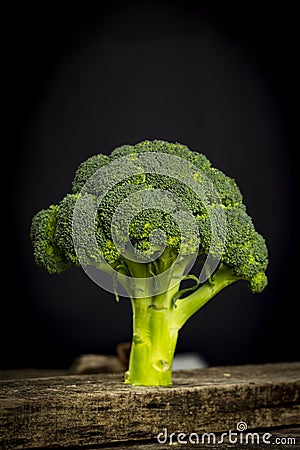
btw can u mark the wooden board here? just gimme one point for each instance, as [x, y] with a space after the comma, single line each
[80, 410]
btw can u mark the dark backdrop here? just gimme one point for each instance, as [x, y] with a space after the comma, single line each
[85, 79]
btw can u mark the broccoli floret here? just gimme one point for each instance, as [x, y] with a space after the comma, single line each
[245, 251]
[63, 230]
[47, 253]
[145, 221]
[228, 191]
[89, 252]
[86, 170]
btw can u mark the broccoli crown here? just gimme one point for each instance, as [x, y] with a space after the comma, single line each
[179, 213]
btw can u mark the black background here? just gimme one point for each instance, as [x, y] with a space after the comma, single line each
[83, 79]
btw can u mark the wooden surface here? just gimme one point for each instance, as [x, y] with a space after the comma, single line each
[93, 410]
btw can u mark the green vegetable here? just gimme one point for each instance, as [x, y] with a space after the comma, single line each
[153, 266]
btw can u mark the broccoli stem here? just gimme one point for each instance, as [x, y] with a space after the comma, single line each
[186, 307]
[154, 341]
[156, 322]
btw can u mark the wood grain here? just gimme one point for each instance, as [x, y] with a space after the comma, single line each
[81, 410]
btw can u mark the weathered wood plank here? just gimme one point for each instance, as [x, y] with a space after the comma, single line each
[98, 409]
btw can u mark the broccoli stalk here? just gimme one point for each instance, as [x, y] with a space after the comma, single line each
[154, 340]
[156, 323]
[158, 315]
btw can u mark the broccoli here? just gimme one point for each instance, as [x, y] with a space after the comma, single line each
[147, 226]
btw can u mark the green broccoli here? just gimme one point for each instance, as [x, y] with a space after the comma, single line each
[148, 226]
